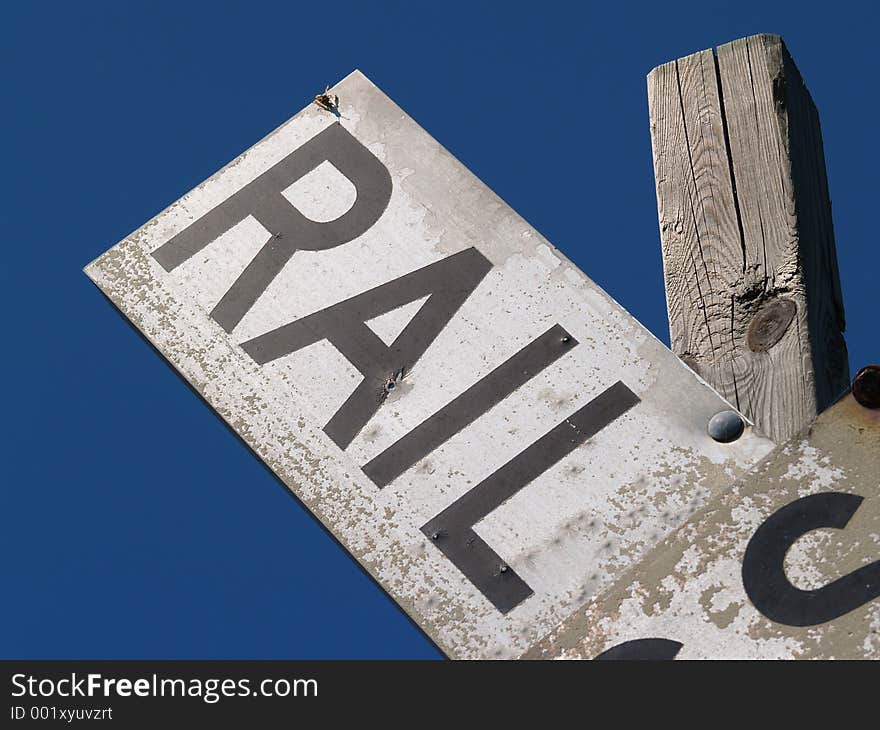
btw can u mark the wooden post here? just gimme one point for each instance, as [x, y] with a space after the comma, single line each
[752, 286]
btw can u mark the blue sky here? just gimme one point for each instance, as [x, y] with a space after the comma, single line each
[114, 110]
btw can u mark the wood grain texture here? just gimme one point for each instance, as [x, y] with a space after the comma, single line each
[745, 220]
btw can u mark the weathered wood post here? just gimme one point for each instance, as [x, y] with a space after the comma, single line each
[752, 286]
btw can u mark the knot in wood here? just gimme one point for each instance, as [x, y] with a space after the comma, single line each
[770, 324]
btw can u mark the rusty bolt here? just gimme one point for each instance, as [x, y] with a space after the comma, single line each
[866, 386]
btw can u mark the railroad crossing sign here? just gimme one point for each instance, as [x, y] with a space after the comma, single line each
[484, 429]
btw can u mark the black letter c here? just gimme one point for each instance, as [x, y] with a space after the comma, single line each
[763, 571]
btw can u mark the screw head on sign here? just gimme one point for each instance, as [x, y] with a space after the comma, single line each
[866, 386]
[726, 426]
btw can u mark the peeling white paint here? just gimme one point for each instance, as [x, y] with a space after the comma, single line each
[690, 588]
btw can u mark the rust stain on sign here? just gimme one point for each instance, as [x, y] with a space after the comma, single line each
[786, 564]
[414, 360]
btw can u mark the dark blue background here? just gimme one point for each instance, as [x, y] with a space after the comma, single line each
[135, 524]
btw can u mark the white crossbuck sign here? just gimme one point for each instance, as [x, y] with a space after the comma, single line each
[482, 427]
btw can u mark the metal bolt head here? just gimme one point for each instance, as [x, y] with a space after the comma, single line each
[726, 426]
[866, 386]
